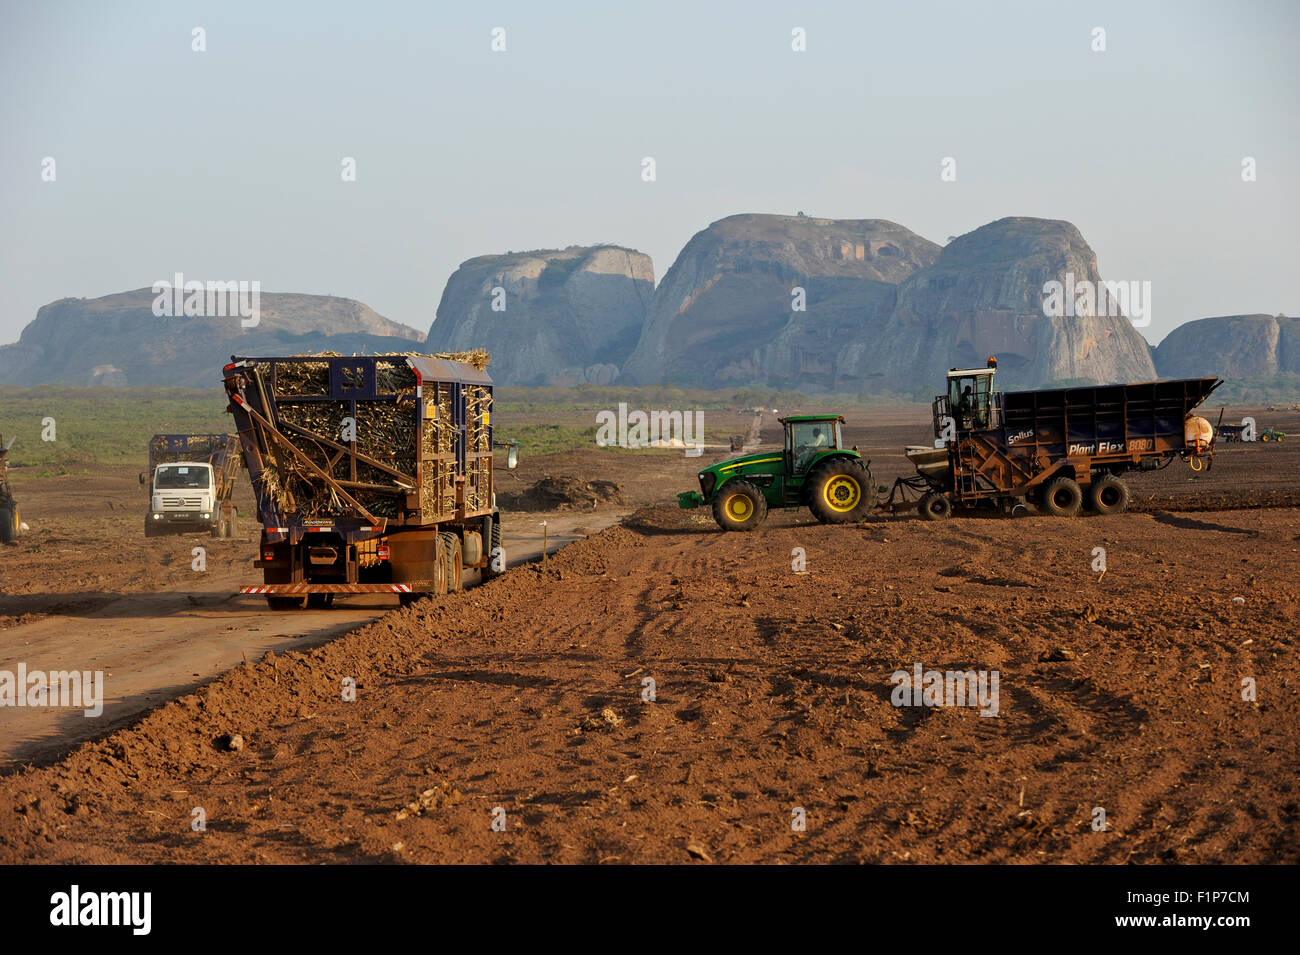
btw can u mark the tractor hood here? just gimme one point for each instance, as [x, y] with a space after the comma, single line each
[725, 468]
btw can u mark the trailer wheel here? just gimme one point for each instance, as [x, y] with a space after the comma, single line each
[1109, 495]
[934, 506]
[1062, 497]
[453, 562]
[218, 528]
[840, 492]
[276, 602]
[739, 506]
[231, 525]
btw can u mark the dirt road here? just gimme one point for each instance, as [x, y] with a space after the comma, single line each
[68, 604]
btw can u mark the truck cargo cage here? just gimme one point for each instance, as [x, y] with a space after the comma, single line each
[397, 439]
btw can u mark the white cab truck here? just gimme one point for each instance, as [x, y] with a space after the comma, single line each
[191, 483]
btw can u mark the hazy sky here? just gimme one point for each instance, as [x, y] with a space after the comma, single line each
[226, 164]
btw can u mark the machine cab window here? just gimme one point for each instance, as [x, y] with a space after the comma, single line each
[970, 396]
[804, 439]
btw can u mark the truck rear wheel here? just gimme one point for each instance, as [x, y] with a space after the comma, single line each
[934, 506]
[1062, 497]
[1108, 495]
[840, 492]
[453, 562]
[495, 551]
[739, 506]
[218, 527]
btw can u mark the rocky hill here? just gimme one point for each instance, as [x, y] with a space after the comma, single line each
[1233, 346]
[886, 310]
[725, 314]
[117, 340]
[561, 316]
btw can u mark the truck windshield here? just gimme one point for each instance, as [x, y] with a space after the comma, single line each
[183, 476]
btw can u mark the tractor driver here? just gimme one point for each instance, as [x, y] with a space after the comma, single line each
[811, 446]
[966, 406]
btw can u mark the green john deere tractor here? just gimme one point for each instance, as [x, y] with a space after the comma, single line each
[814, 471]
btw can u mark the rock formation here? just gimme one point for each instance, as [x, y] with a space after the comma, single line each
[1233, 346]
[547, 317]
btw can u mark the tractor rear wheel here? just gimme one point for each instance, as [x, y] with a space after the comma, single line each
[1061, 497]
[934, 506]
[739, 506]
[840, 492]
[1108, 495]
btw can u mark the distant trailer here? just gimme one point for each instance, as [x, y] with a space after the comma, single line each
[1060, 449]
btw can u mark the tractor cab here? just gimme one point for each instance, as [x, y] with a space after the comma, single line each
[806, 436]
[971, 401]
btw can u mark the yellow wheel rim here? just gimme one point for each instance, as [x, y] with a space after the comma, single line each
[842, 494]
[739, 507]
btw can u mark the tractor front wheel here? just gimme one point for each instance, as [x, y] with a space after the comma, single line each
[739, 506]
[840, 492]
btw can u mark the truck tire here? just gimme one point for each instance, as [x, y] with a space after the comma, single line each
[1062, 497]
[150, 527]
[7, 521]
[231, 525]
[494, 549]
[453, 563]
[218, 527]
[840, 492]
[934, 506]
[1108, 495]
[739, 506]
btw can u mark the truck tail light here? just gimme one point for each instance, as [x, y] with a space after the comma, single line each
[381, 551]
[268, 553]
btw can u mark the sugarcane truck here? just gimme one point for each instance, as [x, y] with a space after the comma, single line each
[191, 484]
[372, 474]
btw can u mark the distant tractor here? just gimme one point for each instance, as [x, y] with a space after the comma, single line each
[1272, 434]
[814, 470]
